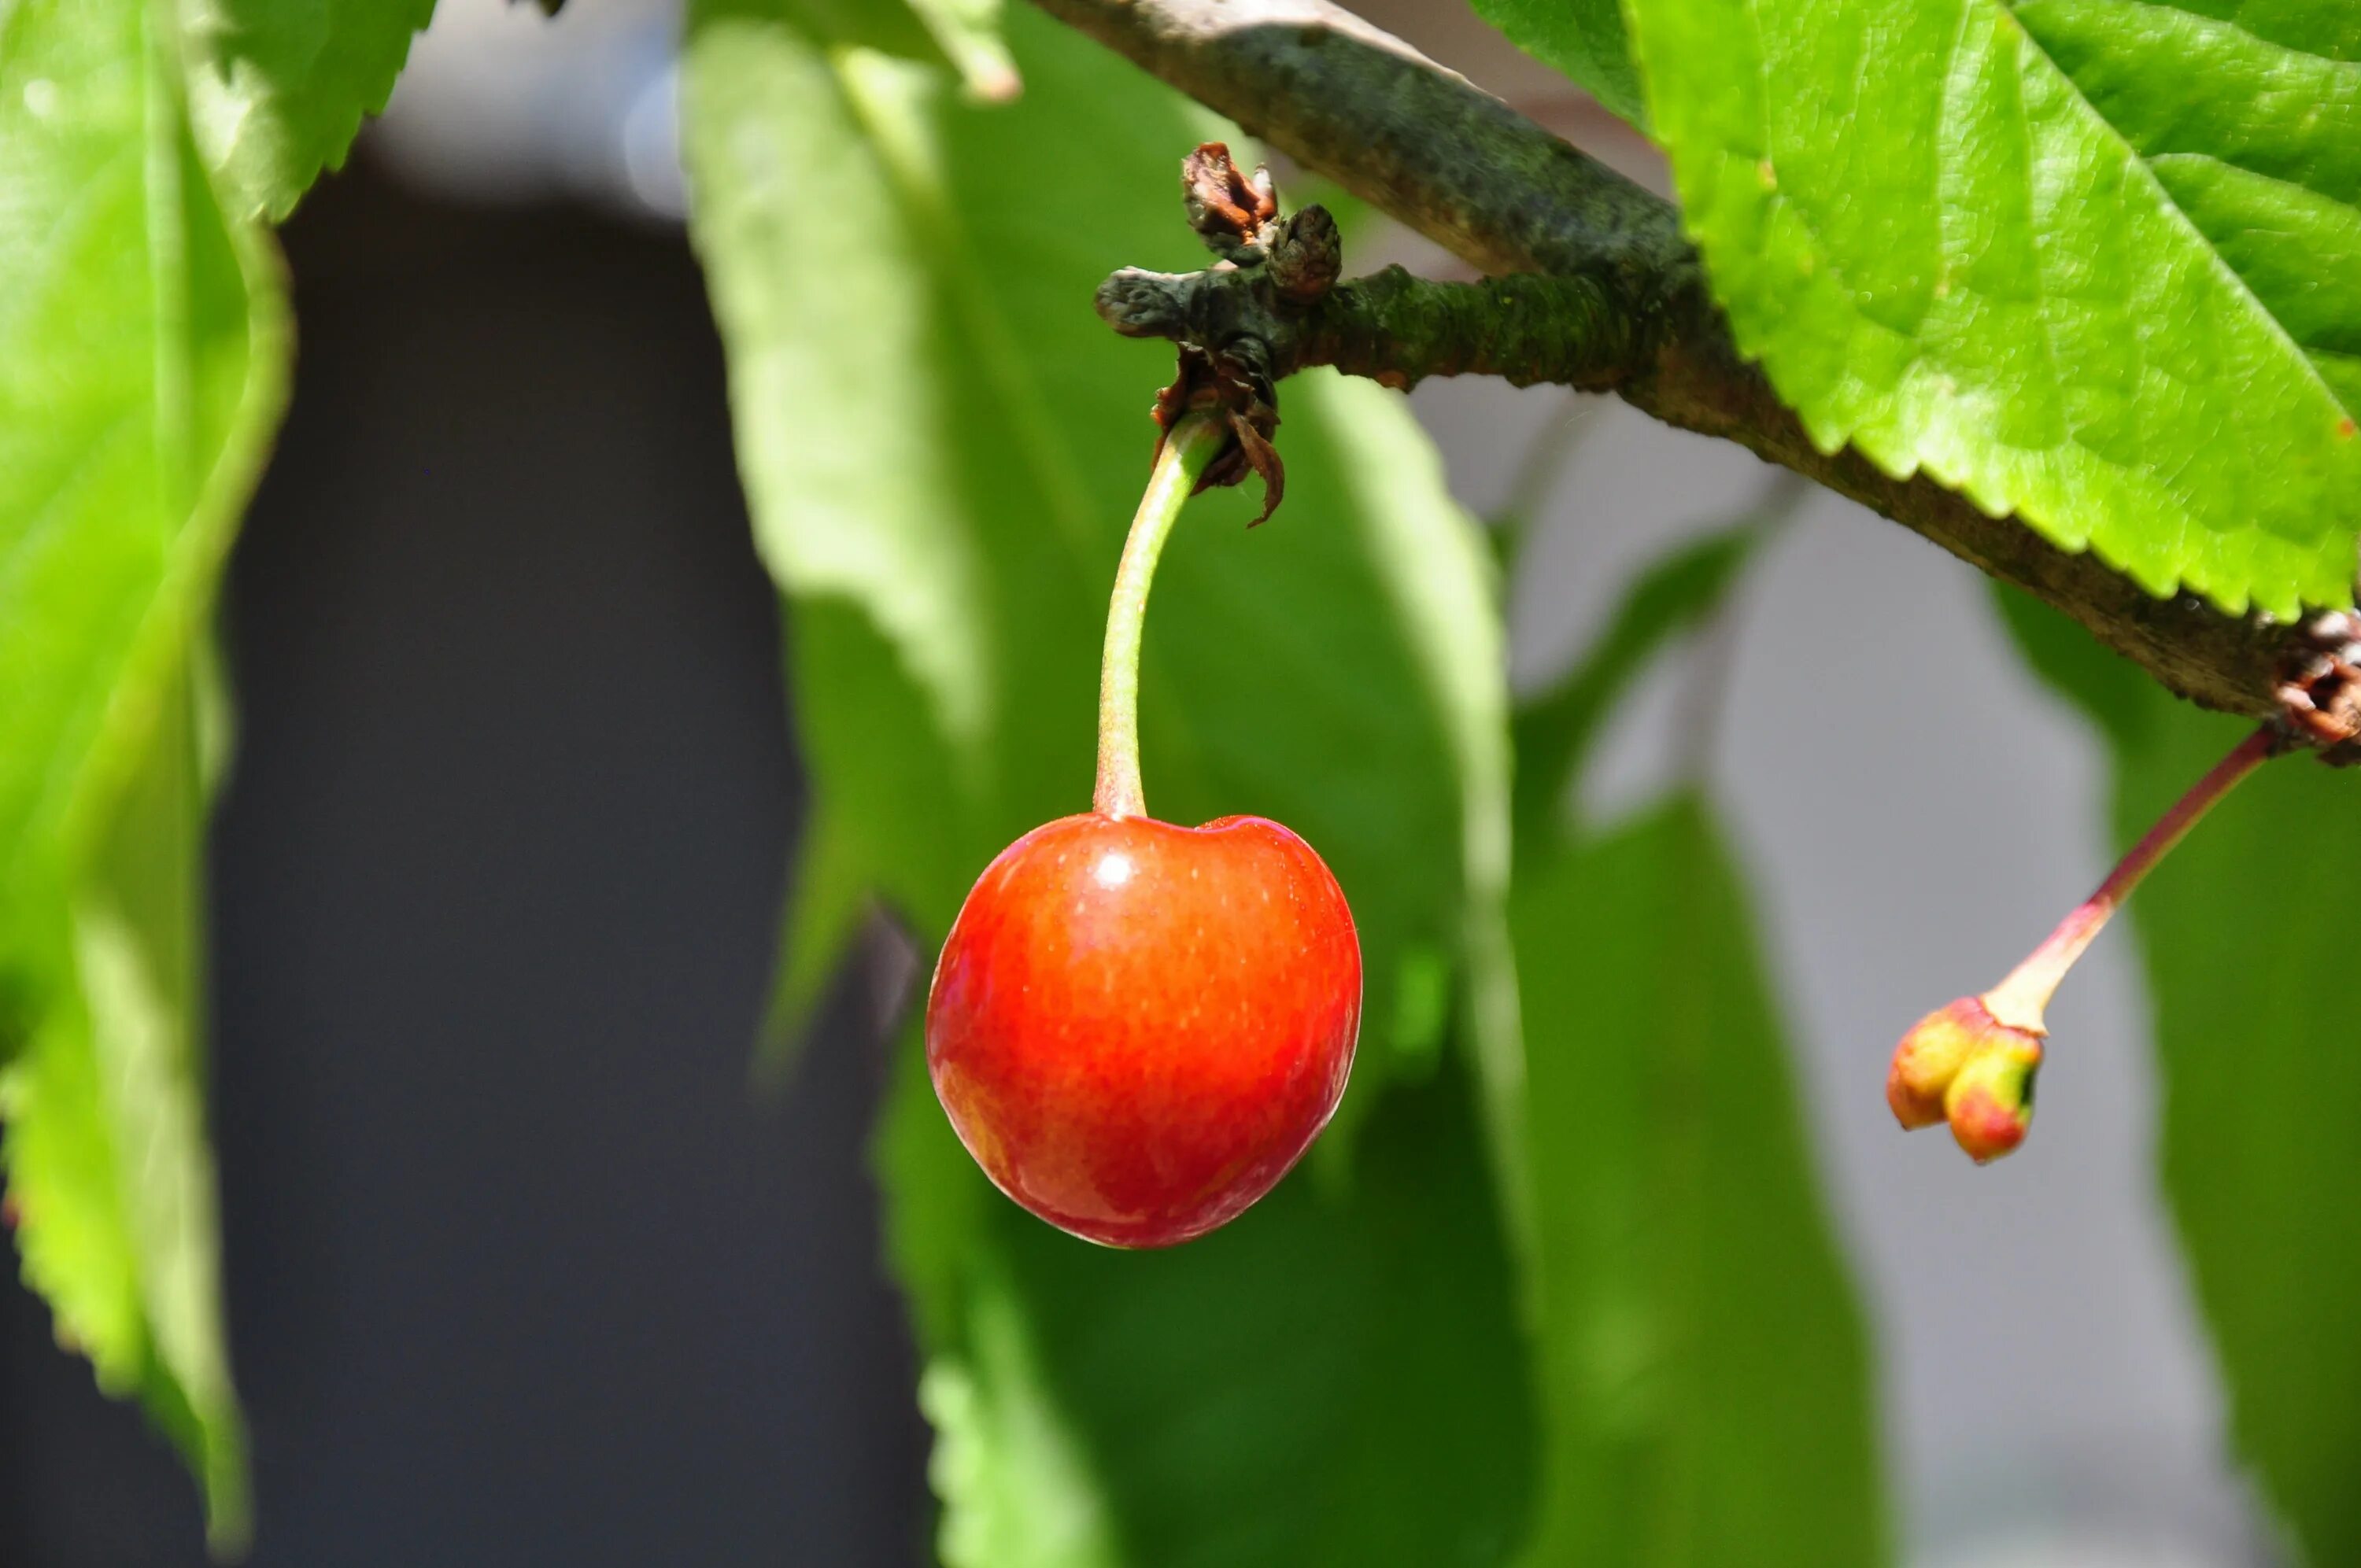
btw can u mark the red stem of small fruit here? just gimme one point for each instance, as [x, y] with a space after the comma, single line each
[2021, 999]
[1188, 448]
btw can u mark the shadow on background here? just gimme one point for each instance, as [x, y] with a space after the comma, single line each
[520, 1273]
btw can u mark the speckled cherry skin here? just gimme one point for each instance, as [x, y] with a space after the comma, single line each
[1137, 1028]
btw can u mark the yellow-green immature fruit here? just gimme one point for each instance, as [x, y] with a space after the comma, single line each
[1937, 1049]
[1990, 1102]
[1972, 1063]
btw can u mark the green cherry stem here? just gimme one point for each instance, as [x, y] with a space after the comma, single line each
[2020, 1000]
[1188, 449]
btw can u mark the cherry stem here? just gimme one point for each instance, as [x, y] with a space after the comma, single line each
[1189, 447]
[2020, 1000]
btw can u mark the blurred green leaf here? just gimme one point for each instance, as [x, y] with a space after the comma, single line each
[143, 350]
[2247, 935]
[964, 34]
[968, 33]
[1705, 1376]
[1584, 38]
[107, 1154]
[1554, 728]
[829, 898]
[2077, 258]
[278, 88]
[1338, 1376]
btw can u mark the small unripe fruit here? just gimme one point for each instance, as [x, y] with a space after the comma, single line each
[1990, 1104]
[1973, 1062]
[1930, 1057]
[1961, 1064]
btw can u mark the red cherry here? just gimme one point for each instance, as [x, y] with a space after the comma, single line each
[1137, 1029]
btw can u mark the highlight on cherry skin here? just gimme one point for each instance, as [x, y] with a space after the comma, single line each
[1137, 1028]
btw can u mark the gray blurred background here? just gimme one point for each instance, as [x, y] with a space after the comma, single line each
[522, 1272]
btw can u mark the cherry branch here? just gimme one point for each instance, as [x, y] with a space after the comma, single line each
[1593, 285]
[1391, 326]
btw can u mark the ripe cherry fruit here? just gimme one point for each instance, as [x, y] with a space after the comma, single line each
[1137, 1029]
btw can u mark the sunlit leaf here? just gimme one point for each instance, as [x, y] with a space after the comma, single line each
[143, 355]
[2081, 259]
[109, 1171]
[1584, 38]
[278, 88]
[964, 34]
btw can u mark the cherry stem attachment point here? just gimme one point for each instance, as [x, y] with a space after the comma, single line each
[2020, 1000]
[1189, 447]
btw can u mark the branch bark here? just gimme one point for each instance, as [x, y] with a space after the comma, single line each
[1620, 303]
[1390, 325]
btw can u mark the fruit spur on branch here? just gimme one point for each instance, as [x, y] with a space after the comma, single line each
[1137, 1029]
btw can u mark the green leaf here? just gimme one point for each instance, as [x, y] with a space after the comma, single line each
[278, 88]
[2076, 258]
[824, 912]
[1584, 39]
[964, 34]
[143, 351]
[106, 1157]
[969, 34]
[2246, 937]
[1338, 1376]
[1554, 729]
[1705, 1376]
[942, 447]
